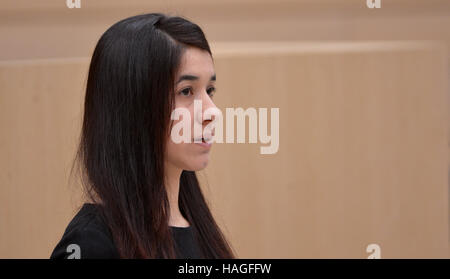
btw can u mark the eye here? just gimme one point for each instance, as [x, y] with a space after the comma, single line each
[211, 91]
[186, 92]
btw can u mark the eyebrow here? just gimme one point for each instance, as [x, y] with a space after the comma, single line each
[191, 77]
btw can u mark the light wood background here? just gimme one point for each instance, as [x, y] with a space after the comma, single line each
[364, 120]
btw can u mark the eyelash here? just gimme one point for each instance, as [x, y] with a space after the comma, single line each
[210, 91]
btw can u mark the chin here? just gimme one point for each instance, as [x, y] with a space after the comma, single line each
[198, 165]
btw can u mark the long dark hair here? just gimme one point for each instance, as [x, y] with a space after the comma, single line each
[129, 98]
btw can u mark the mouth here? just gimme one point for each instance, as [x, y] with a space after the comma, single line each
[202, 140]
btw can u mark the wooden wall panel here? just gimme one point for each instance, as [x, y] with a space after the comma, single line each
[363, 150]
[40, 116]
[47, 28]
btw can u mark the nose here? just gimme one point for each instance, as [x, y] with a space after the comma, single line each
[208, 112]
[208, 109]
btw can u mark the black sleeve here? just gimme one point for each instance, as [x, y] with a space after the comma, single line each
[85, 243]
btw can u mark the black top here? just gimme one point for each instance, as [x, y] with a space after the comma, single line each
[88, 237]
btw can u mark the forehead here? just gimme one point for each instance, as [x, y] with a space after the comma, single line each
[197, 62]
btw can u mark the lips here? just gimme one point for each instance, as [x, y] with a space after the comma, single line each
[203, 139]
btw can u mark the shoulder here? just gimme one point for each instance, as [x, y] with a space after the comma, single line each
[86, 237]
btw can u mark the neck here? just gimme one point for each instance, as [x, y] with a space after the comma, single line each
[172, 183]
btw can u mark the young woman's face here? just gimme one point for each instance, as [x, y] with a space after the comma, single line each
[195, 80]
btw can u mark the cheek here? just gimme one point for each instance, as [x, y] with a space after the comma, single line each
[186, 156]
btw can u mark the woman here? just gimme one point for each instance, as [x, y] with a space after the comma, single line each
[145, 197]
